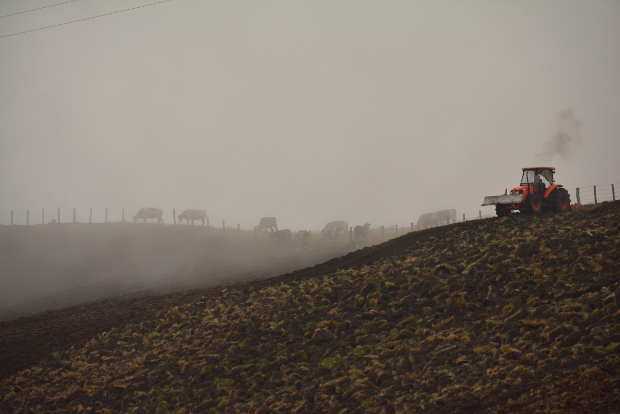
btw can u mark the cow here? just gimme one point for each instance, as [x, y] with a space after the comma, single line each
[149, 213]
[191, 215]
[282, 236]
[267, 224]
[436, 218]
[360, 235]
[335, 229]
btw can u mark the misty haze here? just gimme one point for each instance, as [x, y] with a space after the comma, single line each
[310, 175]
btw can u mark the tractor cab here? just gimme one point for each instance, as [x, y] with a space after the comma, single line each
[535, 180]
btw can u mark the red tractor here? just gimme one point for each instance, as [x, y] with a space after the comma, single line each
[537, 193]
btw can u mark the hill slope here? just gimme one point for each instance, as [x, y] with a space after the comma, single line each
[504, 315]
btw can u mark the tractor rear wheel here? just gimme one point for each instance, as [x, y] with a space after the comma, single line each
[560, 200]
[535, 203]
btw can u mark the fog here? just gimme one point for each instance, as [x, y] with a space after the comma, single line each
[309, 111]
[56, 265]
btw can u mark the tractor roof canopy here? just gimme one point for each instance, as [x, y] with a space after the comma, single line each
[546, 172]
[538, 168]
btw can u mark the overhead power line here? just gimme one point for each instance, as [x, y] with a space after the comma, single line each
[84, 19]
[48, 6]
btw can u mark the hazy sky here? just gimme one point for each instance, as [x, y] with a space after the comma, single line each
[305, 110]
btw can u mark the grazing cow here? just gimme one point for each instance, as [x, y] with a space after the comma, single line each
[303, 238]
[149, 213]
[267, 224]
[437, 218]
[335, 229]
[282, 236]
[360, 235]
[190, 215]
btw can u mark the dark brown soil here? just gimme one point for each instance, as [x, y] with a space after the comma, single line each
[447, 283]
[26, 340]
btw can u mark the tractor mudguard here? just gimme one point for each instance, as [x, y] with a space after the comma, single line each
[551, 189]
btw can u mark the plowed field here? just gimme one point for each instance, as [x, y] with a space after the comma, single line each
[518, 314]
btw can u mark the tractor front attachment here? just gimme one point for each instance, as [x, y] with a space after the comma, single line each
[509, 199]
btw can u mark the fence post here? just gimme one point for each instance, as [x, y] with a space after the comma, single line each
[613, 192]
[223, 225]
[27, 217]
[351, 234]
[43, 216]
[479, 214]
[383, 232]
[58, 215]
[12, 217]
[411, 225]
[578, 195]
[74, 216]
[105, 218]
[174, 215]
[90, 216]
[595, 198]
[463, 216]
[123, 214]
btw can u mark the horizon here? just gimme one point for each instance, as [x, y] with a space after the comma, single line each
[309, 112]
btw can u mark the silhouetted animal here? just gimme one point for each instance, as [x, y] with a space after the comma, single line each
[360, 235]
[282, 236]
[149, 213]
[267, 224]
[191, 215]
[335, 229]
[436, 218]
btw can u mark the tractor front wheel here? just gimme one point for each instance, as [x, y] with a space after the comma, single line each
[502, 210]
[535, 203]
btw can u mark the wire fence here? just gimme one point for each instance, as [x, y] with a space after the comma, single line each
[583, 195]
[593, 194]
[27, 216]
[106, 215]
